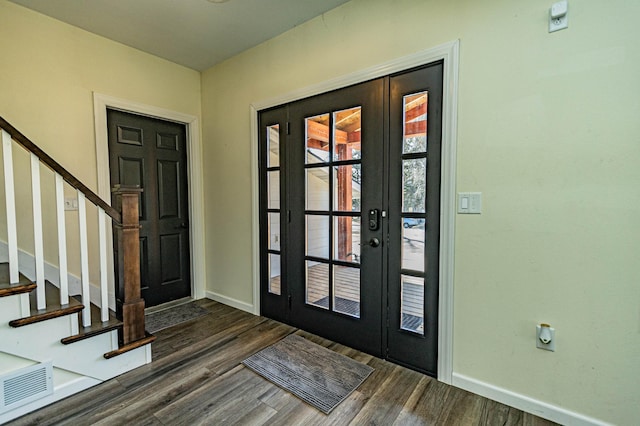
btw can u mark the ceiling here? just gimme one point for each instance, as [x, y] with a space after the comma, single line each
[195, 33]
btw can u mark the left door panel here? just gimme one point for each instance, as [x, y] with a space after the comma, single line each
[274, 294]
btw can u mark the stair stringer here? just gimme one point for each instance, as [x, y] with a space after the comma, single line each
[41, 342]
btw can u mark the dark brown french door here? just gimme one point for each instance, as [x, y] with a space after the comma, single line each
[349, 195]
[151, 153]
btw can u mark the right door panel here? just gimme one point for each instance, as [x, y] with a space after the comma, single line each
[415, 122]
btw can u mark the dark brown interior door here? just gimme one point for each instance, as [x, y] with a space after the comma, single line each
[152, 153]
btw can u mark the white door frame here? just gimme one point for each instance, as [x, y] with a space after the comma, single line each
[194, 175]
[449, 52]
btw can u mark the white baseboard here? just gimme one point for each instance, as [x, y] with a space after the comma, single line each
[525, 403]
[234, 303]
[60, 392]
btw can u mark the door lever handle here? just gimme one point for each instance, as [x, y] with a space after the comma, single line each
[373, 242]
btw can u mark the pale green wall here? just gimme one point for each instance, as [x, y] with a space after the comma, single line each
[548, 132]
[48, 73]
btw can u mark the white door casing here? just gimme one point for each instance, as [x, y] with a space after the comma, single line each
[194, 174]
[449, 53]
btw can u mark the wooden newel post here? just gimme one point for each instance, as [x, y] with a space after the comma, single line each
[129, 304]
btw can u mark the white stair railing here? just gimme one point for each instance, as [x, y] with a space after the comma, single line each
[10, 201]
[84, 260]
[103, 220]
[38, 239]
[62, 241]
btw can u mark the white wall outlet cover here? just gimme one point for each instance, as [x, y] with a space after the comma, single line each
[558, 16]
[545, 337]
[559, 9]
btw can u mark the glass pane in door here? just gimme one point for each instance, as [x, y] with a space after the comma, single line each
[346, 188]
[412, 304]
[273, 142]
[274, 274]
[317, 188]
[274, 231]
[414, 185]
[273, 189]
[346, 293]
[318, 236]
[317, 139]
[413, 234]
[415, 123]
[347, 134]
[346, 243]
[317, 288]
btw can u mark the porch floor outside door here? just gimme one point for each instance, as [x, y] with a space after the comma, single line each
[347, 293]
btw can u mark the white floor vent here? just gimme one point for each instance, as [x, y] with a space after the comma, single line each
[25, 385]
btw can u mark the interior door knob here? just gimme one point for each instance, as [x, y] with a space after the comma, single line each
[374, 242]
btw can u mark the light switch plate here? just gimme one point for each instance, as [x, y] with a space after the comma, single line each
[70, 204]
[469, 202]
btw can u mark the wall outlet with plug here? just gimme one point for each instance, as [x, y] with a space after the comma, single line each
[545, 337]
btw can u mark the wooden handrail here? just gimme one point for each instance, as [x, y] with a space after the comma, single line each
[56, 167]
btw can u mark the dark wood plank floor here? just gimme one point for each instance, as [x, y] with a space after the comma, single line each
[197, 378]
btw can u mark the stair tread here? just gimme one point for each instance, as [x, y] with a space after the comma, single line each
[24, 284]
[149, 338]
[97, 327]
[53, 310]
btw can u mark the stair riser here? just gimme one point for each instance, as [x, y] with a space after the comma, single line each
[13, 307]
[49, 331]
[85, 357]
[10, 308]
[41, 342]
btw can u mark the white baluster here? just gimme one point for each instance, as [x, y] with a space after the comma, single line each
[37, 230]
[84, 261]
[102, 241]
[62, 241]
[9, 190]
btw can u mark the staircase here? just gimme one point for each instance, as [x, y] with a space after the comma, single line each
[59, 333]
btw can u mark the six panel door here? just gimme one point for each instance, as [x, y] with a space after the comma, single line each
[151, 153]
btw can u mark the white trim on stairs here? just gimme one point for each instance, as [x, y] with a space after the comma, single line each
[40, 342]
